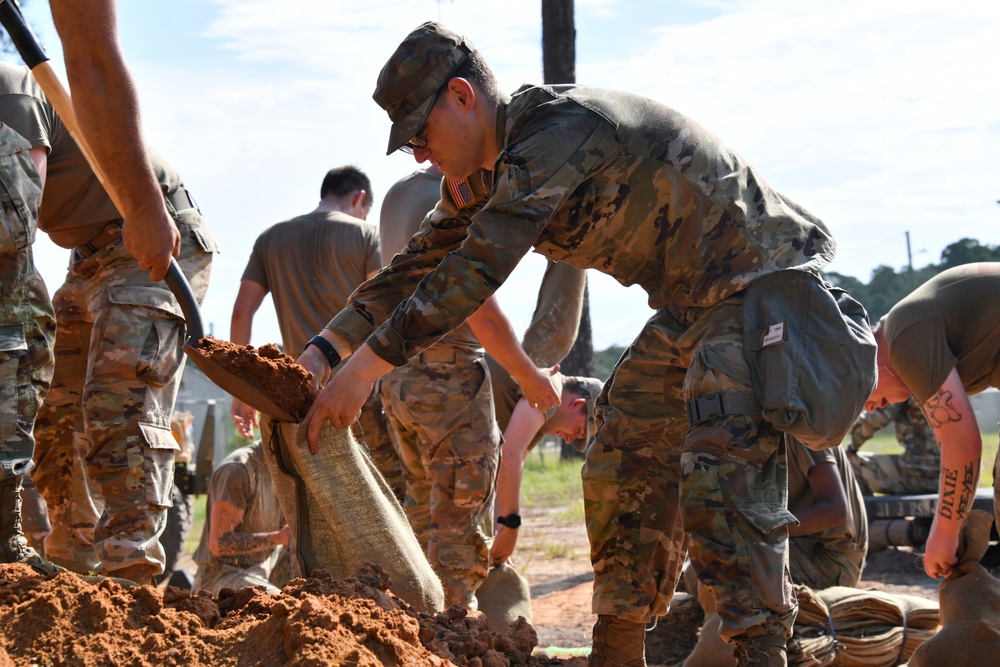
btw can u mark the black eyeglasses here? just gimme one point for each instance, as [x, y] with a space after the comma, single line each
[419, 141]
[416, 143]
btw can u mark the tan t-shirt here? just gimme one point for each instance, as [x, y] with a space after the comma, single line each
[311, 264]
[951, 321]
[403, 209]
[243, 481]
[850, 537]
[75, 206]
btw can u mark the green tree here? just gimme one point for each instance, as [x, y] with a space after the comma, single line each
[967, 251]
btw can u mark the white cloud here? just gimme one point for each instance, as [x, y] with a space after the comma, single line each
[881, 117]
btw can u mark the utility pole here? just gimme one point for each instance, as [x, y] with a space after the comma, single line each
[909, 259]
[558, 42]
[559, 66]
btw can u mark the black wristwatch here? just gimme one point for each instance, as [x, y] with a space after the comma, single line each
[326, 347]
[511, 521]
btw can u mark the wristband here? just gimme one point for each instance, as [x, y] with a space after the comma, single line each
[326, 347]
[512, 520]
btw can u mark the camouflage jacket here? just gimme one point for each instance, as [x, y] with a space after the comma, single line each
[598, 179]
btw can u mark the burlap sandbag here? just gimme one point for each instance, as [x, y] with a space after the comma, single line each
[503, 597]
[970, 606]
[341, 512]
[842, 626]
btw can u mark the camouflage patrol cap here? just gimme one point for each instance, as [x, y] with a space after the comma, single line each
[589, 389]
[407, 84]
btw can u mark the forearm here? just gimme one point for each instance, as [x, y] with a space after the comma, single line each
[496, 334]
[248, 300]
[815, 520]
[236, 544]
[98, 74]
[509, 486]
[960, 469]
[240, 327]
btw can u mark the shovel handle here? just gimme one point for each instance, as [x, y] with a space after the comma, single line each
[20, 34]
[181, 289]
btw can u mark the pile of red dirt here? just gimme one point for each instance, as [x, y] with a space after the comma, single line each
[266, 369]
[64, 620]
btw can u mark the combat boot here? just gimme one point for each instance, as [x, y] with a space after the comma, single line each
[618, 643]
[13, 544]
[763, 651]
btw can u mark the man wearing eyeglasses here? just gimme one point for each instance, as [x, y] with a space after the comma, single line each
[612, 181]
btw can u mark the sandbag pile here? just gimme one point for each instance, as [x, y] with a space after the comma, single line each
[859, 628]
[341, 513]
[842, 626]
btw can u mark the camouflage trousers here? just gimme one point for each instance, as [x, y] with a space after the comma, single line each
[440, 417]
[105, 454]
[27, 332]
[895, 474]
[649, 477]
[817, 567]
[373, 430]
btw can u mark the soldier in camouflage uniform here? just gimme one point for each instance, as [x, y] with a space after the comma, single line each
[439, 408]
[27, 331]
[105, 455]
[916, 470]
[612, 181]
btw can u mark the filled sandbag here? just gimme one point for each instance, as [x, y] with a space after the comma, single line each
[503, 597]
[342, 513]
[970, 605]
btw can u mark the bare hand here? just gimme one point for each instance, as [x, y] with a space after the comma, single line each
[282, 536]
[245, 417]
[313, 361]
[153, 241]
[539, 391]
[503, 544]
[341, 399]
[940, 553]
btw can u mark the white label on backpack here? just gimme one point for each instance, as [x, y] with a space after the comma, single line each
[775, 334]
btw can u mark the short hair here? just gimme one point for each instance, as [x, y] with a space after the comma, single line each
[478, 71]
[341, 181]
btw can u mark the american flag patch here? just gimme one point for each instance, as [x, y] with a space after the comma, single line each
[461, 192]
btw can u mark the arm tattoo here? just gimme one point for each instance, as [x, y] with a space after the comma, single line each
[958, 492]
[940, 411]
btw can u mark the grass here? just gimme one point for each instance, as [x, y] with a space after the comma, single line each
[194, 537]
[549, 481]
[887, 444]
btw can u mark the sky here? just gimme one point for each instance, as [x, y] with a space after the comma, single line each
[882, 118]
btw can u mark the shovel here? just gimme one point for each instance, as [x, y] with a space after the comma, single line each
[37, 60]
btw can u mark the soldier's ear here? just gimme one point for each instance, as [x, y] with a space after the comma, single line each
[462, 92]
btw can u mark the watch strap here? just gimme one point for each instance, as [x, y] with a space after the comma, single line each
[326, 347]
